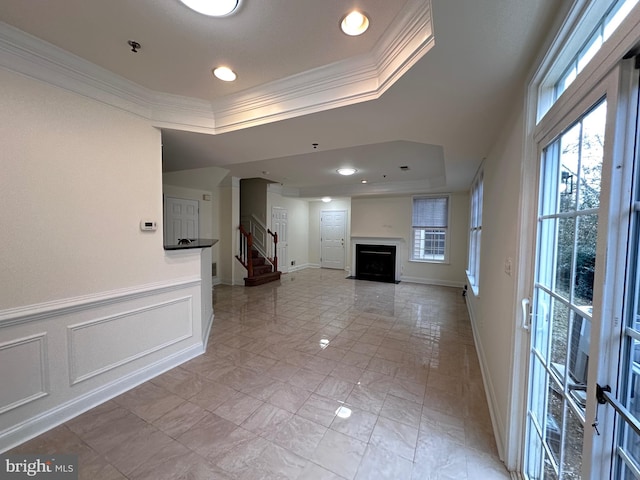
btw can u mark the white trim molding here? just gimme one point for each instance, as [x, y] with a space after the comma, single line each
[33, 367]
[350, 81]
[74, 354]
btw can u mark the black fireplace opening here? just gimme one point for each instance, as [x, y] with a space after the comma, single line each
[376, 262]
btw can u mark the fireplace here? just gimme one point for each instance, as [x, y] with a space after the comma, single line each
[370, 241]
[376, 262]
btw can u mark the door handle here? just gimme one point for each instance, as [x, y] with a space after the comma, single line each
[526, 313]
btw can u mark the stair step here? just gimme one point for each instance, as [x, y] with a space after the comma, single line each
[261, 270]
[258, 260]
[262, 279]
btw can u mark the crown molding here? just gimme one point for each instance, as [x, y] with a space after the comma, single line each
[350, 81]
[362, 190]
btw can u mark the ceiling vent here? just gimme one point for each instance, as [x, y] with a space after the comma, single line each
[404, 168]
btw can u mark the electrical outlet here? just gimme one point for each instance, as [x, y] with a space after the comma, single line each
[293, 262]
[507, 265]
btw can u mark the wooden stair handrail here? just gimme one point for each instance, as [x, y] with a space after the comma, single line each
[274, 260]
[246, 250]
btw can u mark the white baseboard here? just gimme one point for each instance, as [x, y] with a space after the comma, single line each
[498, 428]
[296, 268]
[207, 331]
[52, 418]
[431, 281]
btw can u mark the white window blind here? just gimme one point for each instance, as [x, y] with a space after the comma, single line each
[430, 212]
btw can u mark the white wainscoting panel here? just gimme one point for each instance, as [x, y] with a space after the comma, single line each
[103, 344]
[29, 382]
[62, 358]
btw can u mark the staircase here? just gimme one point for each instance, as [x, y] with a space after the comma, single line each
[263, 272]
[260, 268]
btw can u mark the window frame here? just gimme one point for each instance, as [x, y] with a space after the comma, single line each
[587, 20]
[475, 232]
[447, 231]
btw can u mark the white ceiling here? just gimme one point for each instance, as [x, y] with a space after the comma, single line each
[437, 112]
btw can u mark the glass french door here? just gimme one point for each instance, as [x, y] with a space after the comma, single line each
[563, 295]
[585, 278]
[625, 391]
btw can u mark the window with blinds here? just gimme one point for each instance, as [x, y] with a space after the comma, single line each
[430, 225]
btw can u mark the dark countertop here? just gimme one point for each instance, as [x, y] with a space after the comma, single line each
[195, 243]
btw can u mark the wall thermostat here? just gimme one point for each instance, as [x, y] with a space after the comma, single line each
[146, 225]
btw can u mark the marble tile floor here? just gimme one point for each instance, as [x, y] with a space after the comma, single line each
[313, 377]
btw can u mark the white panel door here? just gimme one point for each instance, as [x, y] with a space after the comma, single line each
[332, 234]
[279, 225]
[180, 219]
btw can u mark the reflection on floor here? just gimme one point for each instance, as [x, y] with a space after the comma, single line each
[313, 377]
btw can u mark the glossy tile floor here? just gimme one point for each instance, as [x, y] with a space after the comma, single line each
[315, 377]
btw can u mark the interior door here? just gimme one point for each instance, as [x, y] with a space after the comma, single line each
[280, 225]
[333, 230]
[181, 219]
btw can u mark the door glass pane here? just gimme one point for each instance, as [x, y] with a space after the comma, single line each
[570, 148]
[592, 150]
[585, 260]
[559, 338]
[573, 439]
[536, 457]
[579, 357]
[546, 244]
[539, 380]
[631, 444]
[565, 249]
[549, 472]
[553, 427]
[633, 402]
[540, 334]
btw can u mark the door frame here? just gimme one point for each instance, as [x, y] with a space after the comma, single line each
[344, 250]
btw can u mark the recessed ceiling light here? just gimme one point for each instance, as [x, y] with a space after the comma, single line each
[354, 23]
[225, 74]
[346, 171]
[326, 199]
[363, 181]
[212, 8]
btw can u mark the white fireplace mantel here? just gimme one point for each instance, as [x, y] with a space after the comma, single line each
[398, 242]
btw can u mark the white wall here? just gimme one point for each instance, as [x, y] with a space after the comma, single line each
[230, 271]
[390, 217]
[297, 228]
[76, 180]
[492, 311]
[89, 304]
[206, 180]
[253, 199]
